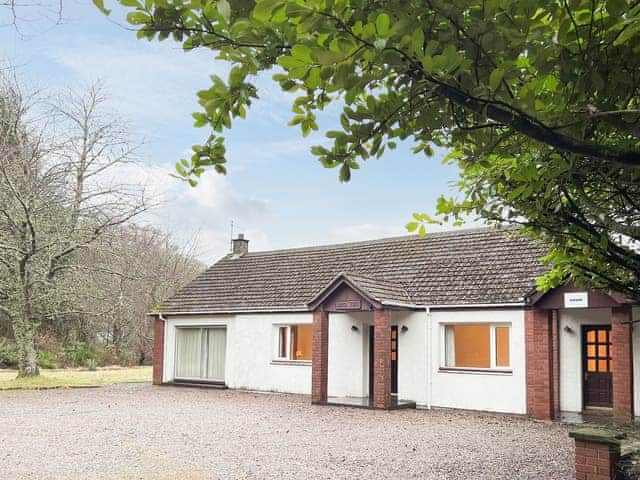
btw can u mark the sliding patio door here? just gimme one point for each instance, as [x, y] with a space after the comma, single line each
[200, 353]
[216, 349]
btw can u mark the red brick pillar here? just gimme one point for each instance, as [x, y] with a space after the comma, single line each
[597, 454]
[555, 359]
[382, 359]
[539, 363]
[158, 351]
[320, 357]
[622, 356]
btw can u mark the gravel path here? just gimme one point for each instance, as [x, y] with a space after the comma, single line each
[138, 431]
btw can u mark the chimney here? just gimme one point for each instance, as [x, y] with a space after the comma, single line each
[239, 246]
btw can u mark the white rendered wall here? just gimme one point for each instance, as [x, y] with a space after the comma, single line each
[349, 355]
[570, 328]
[251, 347]
[412, 355]
[488, 391]
[348, 374]
[252, 339]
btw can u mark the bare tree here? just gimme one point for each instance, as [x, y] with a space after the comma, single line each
[134, 269]
[17, 13]
[60, 194]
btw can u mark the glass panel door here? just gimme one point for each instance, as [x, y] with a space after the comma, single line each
[216, 350]
[200, 353]
[597, 366]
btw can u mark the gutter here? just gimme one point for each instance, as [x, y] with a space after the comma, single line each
[462, 305]
[297, 309]
[305, 308]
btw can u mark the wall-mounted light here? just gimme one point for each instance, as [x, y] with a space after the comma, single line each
[404, 329]
[568, 329]
[354, 328]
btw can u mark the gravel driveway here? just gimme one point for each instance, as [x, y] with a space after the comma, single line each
[137, 431]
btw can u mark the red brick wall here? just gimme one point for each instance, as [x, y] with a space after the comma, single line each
[539, 364]
[595, 461]
[622, 356]
[158, 351]
[320, 356]
[382, 359]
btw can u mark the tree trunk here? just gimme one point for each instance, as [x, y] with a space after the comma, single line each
[25, 334]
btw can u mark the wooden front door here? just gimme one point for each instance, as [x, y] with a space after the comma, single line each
[372, 362]
[597, 365]
[394, 359]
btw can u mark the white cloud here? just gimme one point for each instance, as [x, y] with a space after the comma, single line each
[203, 212]
[366, 231]
[372, 231]
[156, 83]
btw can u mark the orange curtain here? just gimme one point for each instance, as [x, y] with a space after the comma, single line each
[502, 347]
[301, 339]
[472, 346]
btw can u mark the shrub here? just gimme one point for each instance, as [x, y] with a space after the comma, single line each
[8, 354]
[47, 341]
[76, 354]
[108, 355]
[47, 359]
[91, 364]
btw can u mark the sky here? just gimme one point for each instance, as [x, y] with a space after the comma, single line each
[275, 192]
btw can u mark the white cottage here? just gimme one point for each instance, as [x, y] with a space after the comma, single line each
[449, 320]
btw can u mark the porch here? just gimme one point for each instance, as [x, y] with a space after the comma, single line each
[359, 327]
[580, 356]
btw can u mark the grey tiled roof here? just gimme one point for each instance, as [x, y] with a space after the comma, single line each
[376, 289]
[459, 267]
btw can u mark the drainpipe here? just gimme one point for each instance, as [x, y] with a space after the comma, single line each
[427, 311]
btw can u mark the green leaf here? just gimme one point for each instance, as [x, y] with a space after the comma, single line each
[263, 9]
[382, 25]
[412, 226]
[224, 9]
[496, 78]
[345, 173]
[101, 7]
[138, 18]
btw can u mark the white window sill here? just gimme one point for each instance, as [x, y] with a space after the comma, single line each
[306, 363]
[476, 371]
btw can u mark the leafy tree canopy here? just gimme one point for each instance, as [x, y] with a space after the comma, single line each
[537, 101]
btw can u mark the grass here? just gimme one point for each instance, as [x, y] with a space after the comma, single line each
[69, 378]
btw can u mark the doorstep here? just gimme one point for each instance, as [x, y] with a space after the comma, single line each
[192, 383]
[365, 402]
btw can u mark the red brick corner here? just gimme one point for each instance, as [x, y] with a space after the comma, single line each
[158, 351]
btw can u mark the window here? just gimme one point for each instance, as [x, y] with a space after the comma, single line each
[294, 342]
[477, 346]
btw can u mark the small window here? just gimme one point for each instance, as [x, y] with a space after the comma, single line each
[477, 346]
[295, 342]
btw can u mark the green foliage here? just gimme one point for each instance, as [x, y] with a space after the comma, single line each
[77, 354]
[537, 101]
[8, 354]
[47, 360]
[91, 364]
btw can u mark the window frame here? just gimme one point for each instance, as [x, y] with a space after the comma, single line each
[287, 360]
[493, 367]
[204, 353]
